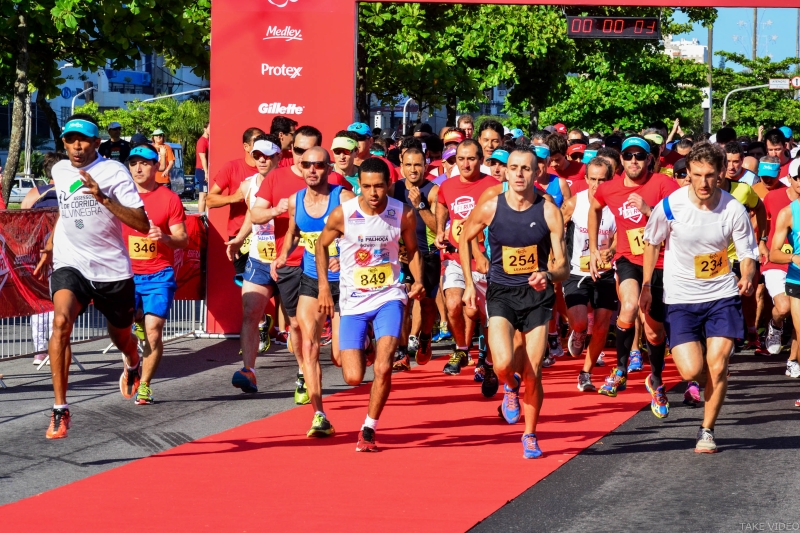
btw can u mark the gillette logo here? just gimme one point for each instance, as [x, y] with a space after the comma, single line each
[287, 33]
[282, 70]
[276, 108]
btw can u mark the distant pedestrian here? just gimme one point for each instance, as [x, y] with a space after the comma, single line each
[201, 167]
[165, 156]
[116, 147]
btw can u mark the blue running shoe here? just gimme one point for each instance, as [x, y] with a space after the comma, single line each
[530, 447]
[244, 379]
[616, 382]
[510, 405]
[635, 361]
[658, 404]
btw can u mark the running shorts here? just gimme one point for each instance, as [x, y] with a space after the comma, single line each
[114, 299]
[698, 322]
[386, 322]
[523, 306]
[310, 287]
[627, 270]
[155, 292]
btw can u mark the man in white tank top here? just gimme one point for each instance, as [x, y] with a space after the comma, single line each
[580, 290]
[369, 229]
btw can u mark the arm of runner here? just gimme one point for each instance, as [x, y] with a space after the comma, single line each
[567, 208]
[656, 231]
[566, 192]
[42, 270]
[176, 238]
[782, 226]
[134, 217]
[334, 229]
[608, 255]
[675, 127]
[594, 216]
[290, 240]
[760, 213]
[262, 211]
[409, 231]
[559, 270]
[29, 199]
[475, 224]
[747, 250]
[215, 198]
[442, 215]
[640, 204]
[204, 163]
[426, 214]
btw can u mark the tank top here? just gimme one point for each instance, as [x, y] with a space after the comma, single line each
[262, 236]
[311, 228]
[486, 230]
[520, 241]
[369, 269]
[579, 255]
[425, 237]
[47, 197]
[793, 273]
[554, 189]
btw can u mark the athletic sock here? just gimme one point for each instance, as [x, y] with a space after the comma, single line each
[63, 406]
[371, 423]
[463, 348]
[656, 361]
[625, 337]
[322, 413]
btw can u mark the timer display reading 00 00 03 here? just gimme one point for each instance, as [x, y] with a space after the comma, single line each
[614, 27]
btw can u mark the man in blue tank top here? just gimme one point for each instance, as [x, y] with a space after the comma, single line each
[520, 296]
[309, 209]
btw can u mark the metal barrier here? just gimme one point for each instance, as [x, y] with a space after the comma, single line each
[17, 333]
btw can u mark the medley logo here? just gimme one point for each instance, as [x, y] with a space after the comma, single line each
[276, 108]
[283, 70]
[281, 3]
[287, 34]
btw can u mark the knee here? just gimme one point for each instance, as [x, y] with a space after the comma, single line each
[351, 377]
[628, 310]
[782, 307]
[454, 306]
[61, 324]
[154, 337]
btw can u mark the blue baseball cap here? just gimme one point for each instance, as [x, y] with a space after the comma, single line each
[499, 155]
[787, 132]
[81, 126]
[637, 142]
[359, 128]
[144, 152]
[542, 151]
[769, 169]
[588, 155]
[516, 133]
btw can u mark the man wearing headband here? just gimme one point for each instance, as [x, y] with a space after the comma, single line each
[497, 164]
[258, 286]
[309, 209]
[152, 260]
[629, 200]
[345, 148]
[88, 254]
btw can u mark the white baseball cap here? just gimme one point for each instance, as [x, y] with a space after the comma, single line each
[265, 147]
[794, 167]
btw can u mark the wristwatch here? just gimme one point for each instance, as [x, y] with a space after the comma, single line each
[764, 239]
[422, 205]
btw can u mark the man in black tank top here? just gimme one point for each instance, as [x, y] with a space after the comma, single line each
[520, 296]
[420, 194]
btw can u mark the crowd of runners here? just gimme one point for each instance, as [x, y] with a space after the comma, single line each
[656, 243]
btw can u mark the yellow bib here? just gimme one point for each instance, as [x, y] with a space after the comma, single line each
[520, 260]
[708, 266]
[308, 239]
[585, 264]
[266, 250]
[374, 277]
[636, 240]
[141, 247]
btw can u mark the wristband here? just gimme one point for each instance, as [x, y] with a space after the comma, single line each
[646, 285]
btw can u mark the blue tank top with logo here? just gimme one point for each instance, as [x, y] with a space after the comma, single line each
[310, 230]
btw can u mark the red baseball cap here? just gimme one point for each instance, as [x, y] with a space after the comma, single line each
[576, 149]
[453, 137]
[560, 128]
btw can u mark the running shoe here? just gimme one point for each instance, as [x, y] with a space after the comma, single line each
[575, 344]
[458, 360]
[282, 338]
[793, 369]
[244, 379]
[424, 352]
[753, 342]
[635, 361]
[300, 391]
[510, 405]
[413, 344]
[366, 440]
[705, 441]
[38, 358]
[554, 344]
[616, 382]
[480, 373]
[797, 403]
[138, 330]
[401, 362]
[530, 447]
[773, 341]
[600, 359]
[659, 403]
[320, 427]
[263, 337]
[548, 361]
[490, 383]
[60, 422]
[443, 334]
[129, 380]
[144, 396]
[585, 382]
[692, 395]
[327, 334]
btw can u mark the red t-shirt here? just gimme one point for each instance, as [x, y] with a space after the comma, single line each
[784, 171]
[287, 159]
[669, 160]
[202, 147]
[575, 174]
[630, 221]
[461, 197]
[282, 183]
[774, 201]
[164, 209]
[578, 186]
[394, 174]
[230, 176]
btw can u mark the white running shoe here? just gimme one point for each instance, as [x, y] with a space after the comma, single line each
[554, 344]
[413, 344]
[549, 361]
[793, 369]
[575, 343]
[600, 361]
[773, 340]
[585, 382]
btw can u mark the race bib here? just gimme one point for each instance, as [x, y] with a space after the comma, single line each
[636, 240]
[245, 248]
[708, 266]
[787, 248]
[520, 260]
[308, 239]
[456, 228]
[585, 264]
[141, 247]
[266, 250]
[374, 277]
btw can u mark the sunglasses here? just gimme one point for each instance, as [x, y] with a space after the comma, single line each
[319, 165]
[451, 160]
[681, 175]
[341, 151]
[576, 157]
[299, 151]
[639, 156]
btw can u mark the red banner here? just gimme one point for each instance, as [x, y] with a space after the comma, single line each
[190, 270]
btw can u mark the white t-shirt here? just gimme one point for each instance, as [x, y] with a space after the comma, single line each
[87, 236]
[696, 266]
[579, 262]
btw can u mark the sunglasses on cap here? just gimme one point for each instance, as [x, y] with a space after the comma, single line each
[639, 156]
[299, 151]
[341, 151]
[319, 165]
[451, 160]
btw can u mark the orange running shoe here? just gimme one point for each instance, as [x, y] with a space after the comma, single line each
[60, 421]
[129, 380]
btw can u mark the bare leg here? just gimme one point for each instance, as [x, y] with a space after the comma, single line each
[154, 347]
[602, 319]
[535, 345]
[254, 300]
[311, 323]
[382, 384]
[65, 310]
[455, 316]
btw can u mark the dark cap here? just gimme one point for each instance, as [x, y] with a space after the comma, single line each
[679, 166]
[423, 128]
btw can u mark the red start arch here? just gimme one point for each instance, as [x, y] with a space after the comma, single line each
[297, 58]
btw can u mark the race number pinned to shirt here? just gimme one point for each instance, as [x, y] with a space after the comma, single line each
[374, 277]
[308, 239]
[787, 248]
[636, 240]
[520, 260]
[456, 229]
[585, 264]
[266, 250]
[709, 266]
[245, 248]
[141, 247]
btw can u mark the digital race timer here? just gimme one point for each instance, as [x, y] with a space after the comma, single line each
[614, 27]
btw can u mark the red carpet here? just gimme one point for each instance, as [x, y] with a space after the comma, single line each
[447, 462]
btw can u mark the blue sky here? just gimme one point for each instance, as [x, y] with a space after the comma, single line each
[778, 38]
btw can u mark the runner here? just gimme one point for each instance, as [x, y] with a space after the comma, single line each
[369, 229]
[116, 147]
[777, 146]
[283, 128]
[701, 293]
[87, 251]
[556, 187]
[153, 261]
[466, 124]
[456, 198]
[629, 200]
[572, 171]
[520, 296]
[344, 147]
[581, 290]
[257, 285]
[734, 170]
[497, 164]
